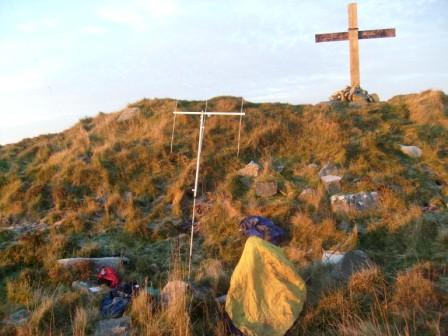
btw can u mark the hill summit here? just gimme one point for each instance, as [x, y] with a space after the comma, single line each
[110, 186]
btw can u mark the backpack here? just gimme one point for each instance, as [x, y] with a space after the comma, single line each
[263, 228]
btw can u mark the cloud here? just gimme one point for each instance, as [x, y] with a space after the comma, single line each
[95, 30]
[138, 14]
[159, 8]
[23, 80]
[124, 16]
[35, 26]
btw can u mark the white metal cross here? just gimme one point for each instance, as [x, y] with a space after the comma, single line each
[203, 114]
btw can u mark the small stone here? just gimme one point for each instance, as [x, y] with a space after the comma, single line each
[221, 299]
[18, 318]
[128, 114]
[375, 98]
[332, 183]
[251, 169]
[114, 327]
[352, 262]
[328, 169]
[354, 202]
[306, 193]
[266, 189]
[313, 166]
[412, 151]
[128, 196]
[360, 99]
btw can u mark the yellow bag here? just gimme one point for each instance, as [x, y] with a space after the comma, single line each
[266, 294]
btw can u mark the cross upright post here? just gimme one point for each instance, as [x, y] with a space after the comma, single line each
[203, 114]
[353, 36]
[354, 45]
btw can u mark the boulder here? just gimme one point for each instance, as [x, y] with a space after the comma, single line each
[18, 318]
[266, 189]
[351, 262]
[412, 151]
[328, 169]
[332, 183]
[128, 114]
[252, 169]
[354, 202]
[114, 327]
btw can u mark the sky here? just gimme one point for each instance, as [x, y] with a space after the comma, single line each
[64, 60]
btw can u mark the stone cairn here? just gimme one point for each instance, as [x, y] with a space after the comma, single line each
[354, 94]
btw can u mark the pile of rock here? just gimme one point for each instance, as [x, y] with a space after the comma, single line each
[354, 94]
[354, 202]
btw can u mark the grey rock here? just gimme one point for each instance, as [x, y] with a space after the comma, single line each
[25, 228]
[18, 318]
[353, 261]
[328, 169]
[412, 151]
[332, 183]
[252, 169]
[114, 327]
[266, 189]
[128, 114]
[354, 202]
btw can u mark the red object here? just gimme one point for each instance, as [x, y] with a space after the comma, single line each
[110, 276]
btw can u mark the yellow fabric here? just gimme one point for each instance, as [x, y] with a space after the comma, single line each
[266, 294]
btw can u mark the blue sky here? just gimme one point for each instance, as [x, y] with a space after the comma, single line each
[63, 60]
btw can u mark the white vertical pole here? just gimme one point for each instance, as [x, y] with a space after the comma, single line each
[195, 190]
[172, 134]
[239, 129]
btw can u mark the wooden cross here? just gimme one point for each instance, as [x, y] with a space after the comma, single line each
[353, 35]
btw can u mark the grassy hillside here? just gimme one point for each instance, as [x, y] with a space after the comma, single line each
[110, 186]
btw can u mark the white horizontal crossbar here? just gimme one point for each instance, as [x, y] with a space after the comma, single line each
[212, 113]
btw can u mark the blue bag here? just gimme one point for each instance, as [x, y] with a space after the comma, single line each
[262, 227]
[113, 307]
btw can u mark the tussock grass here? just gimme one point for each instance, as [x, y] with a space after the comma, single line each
[106, 187]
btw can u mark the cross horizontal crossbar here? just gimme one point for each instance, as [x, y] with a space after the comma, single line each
[212, 113]
[363, 34]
